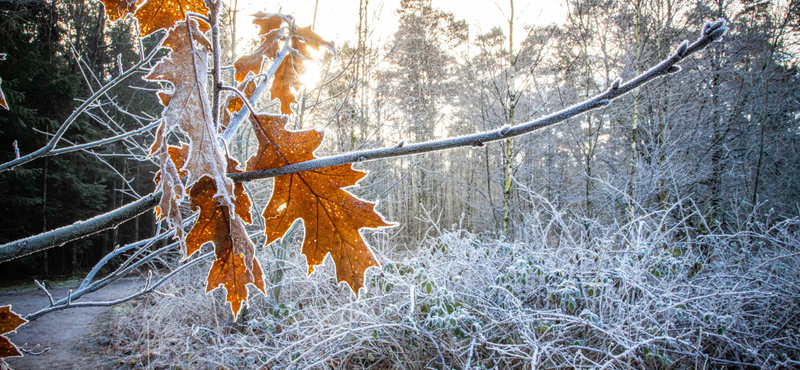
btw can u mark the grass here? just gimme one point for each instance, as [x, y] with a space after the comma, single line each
[655, 293]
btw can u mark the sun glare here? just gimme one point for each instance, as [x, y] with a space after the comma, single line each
[310, 79]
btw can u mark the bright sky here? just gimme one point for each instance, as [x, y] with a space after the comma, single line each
[338, 19]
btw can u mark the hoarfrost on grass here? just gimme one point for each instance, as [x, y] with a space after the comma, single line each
[647, 294]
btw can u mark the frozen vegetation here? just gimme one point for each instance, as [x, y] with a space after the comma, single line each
[652, 293]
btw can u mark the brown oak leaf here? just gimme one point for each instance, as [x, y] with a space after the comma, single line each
[235, 265]
[157, 14]
[203, 164]
[311, 39]
[252, 62]
[189, 110]
[233, 102]
[9, 321]
[3, 102]
[168, 180]
[332, 217]
[119, 9]
[242, 203]
[270, 21]
[286, 81]
[164, 97]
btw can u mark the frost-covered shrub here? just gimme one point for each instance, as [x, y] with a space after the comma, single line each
[648, 294]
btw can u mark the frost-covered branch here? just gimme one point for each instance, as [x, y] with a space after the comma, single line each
[103, 142]
[80, 229]
[710, 33]
[149, 288]
[68, 122]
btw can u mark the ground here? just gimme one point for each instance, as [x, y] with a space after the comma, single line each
[75, 336]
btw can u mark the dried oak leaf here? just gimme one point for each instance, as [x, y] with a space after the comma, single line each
[252, 62]
[242, 203]
[119, 9]
[188, 108]
[270, 21]
[164, 97]
[157, 14]
[234, 266]
[204, 164]
[311, 39]
[331, 216]
[168, 180]
[9, 321]
[286, 81]
[3, 102]
[233, 103]
[215, 224]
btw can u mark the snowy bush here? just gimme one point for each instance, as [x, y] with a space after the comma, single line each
[650, 294]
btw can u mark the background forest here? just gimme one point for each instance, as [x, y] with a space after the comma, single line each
[658, 232]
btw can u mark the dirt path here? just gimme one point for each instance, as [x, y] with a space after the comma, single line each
[71, 334]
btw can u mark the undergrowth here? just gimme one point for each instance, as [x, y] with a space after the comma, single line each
[656, 292]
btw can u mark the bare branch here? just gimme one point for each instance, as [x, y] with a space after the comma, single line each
[148, 289]
[68, 122]
[711, 32]
[97, 143]
[80, 229]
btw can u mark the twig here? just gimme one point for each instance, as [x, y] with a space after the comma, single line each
[711, 32]
[23, 247]
[97, 143]
[69, 304]
[42, 287]
[64, 126]
[32, 351]
[80, 229]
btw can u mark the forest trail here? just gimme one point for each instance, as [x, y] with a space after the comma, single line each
[73, 336]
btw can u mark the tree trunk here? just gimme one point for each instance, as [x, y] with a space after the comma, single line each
[509, 153]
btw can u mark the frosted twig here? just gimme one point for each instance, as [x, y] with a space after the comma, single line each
[68, 122]
[43, 288]
[710, 33]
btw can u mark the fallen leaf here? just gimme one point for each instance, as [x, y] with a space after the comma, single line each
[331, 216]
